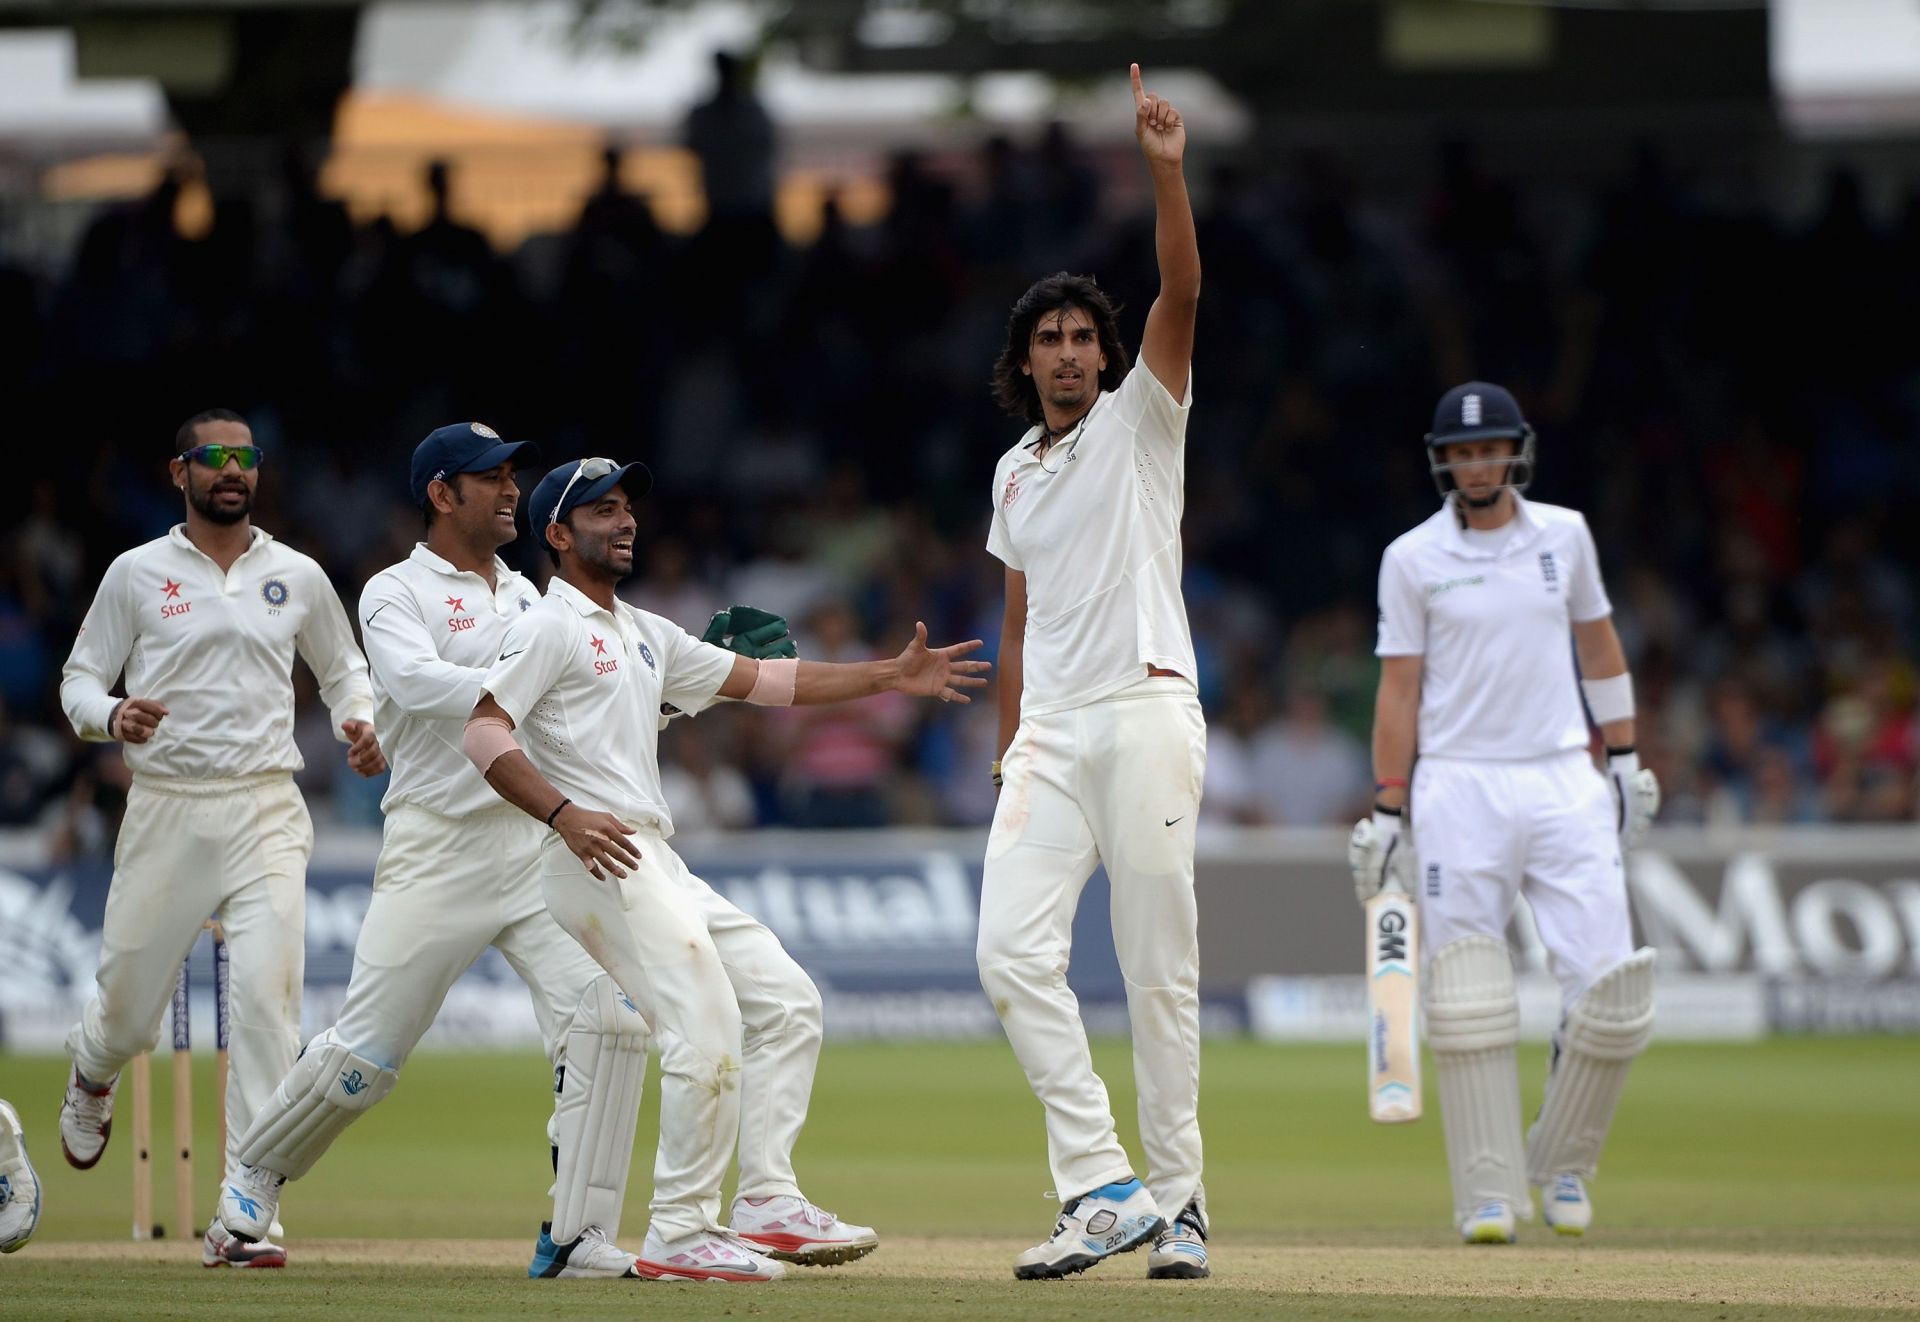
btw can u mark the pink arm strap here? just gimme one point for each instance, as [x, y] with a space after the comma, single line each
[486, 739]
[773, 683]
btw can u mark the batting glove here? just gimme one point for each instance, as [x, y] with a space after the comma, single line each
[1636, 795]
[751, 632]
[1376, 851]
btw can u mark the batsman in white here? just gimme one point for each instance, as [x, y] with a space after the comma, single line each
[458, 871]
[1478, 676]
[205, 622]
[19, 1186]
[583, 677]
[1103, 744]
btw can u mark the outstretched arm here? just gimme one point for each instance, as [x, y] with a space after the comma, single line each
[1167, 346]
[921, 671]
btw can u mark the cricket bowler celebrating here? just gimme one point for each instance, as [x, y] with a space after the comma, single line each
[205, 622]
[1103, 744]
[583, 676]
[1478, 676]
[458, 871]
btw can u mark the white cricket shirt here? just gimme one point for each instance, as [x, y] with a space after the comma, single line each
[584, 687]
[217, 649]
[1491, 620]
[431, 633]
[1095, 527]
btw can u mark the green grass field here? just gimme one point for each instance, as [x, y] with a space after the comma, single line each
[1779, 1179]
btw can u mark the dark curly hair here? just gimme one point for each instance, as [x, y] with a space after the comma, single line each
[1013, 389]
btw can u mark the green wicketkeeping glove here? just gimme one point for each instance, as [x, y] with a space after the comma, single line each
[751, 632]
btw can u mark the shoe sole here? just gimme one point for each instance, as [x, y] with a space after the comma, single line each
[1079, 1262]
[1179, 1271]
[811, 1252]
[1571, 1232]
[1488, 1235]
[659, 1271]
[264, 1261]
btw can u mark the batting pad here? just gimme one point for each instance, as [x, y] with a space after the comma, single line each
[1606, 1028]
[327, 1089]
[1473, 1023]
[598, 1109]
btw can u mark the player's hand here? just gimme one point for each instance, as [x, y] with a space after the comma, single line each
[1162, 133]
[751, 632]
[136, 720]
[1377, 850]
[597, 839]
[1636, 796]
[938, 672]
[363, 748]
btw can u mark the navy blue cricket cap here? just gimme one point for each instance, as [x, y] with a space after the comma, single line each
[463, 447]
[1476, 411]
[581, 482]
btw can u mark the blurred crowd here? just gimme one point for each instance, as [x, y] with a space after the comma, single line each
[1719, 387]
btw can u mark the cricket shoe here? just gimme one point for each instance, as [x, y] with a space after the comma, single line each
[1115, 1218]
[86, 1120]
[1564, 1204]
[591, 1255]
[1179, 1252]
[792, 1229]
[19, 1186]
[1490, 1223]
[221, 1249]
[707, 1255]
[249, 1199]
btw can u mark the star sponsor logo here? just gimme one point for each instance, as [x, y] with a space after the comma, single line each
[170, 589]
[1011, 492]
[459, 621]
[170, 603]
[605, 665]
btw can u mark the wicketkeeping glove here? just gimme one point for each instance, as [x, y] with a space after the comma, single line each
[1636, 795]
[1379, 849]
[752, 632]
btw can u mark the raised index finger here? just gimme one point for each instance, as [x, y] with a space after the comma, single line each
[1139, 92]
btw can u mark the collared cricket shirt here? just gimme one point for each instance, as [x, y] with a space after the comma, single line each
[217, 649]
[584, 687]
[1491, 619]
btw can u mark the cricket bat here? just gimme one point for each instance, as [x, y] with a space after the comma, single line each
[1393, 998]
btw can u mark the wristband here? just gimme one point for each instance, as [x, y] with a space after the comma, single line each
[995, 770]
[1391, 812]
[1621, 751]
[1389, 783]
[556, 811]
[1609, 699]
[113, 721]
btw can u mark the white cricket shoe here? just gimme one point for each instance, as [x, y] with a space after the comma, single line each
[249, 1198]
[590, 1256]
[793, 1230]
[1565, 1206]
[1179, 1252]
[1115, 1218]
[1490, 1223]
[709, 1255]
[19, 1186]
[220, 1249]
[86, 1120]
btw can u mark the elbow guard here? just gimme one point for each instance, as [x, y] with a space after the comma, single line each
[486, 740]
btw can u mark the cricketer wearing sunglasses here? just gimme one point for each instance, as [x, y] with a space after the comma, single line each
[204, 623]
[582, 677]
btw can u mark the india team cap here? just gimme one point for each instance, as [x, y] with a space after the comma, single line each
[463, 447]
[1476, 411]
[581, 482]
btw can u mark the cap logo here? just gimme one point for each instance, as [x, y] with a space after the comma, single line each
[1470, 411]
[481, 429]
[439, 475]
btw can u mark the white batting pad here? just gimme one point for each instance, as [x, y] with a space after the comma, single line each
[1605, 1029]
[1473, 1023]
[599, 1106]
[328, 1088]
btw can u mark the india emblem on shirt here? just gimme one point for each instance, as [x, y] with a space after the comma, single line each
[274, 593]
[646, 654]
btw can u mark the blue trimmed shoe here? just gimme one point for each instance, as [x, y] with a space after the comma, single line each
[1115, 1218]
[1490, 1223]
[19, 1186]
[221, 1248]
[1565, 1206]
[1180, 1251]
[592, 1255]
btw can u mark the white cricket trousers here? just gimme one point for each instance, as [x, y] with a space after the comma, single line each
[1116, 781]
[737, 1021]
[1487, 832]
[444, 889]
[188, 850]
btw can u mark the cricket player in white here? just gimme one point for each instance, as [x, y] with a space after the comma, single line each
[205, 622]
[458, 871]
[1104, 746]
[1484, 609]
[19, 1185]
[583, 677]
